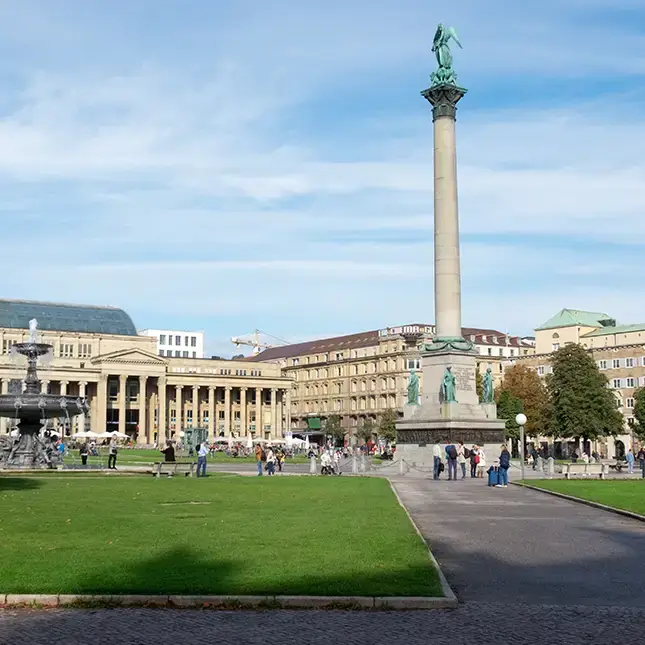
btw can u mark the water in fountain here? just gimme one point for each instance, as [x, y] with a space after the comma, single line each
[30, 408]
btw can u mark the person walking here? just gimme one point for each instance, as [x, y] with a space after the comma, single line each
[461, 459]
[629, 458]
[270, 458]
[474, 459]
[84, 452]
[504, 465]
[481, 463]
[259, 458]
[436, 462]
[202, 455]
[112, 452]
[641, 460]
[451, 458]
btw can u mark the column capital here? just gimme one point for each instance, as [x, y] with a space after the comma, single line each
[84, 383]
[212, 388]
[444, 98]
[179, 387]
[64, 382]
[143, 377]
[258, 389]
[243, 389]
[123, 377]
[227, 388]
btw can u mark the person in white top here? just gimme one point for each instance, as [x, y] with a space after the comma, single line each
[436, 453]
[270, 462]
[461, 459]
[202, 453]
[481, 464]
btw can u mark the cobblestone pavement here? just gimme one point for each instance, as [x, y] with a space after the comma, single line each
[472, 623]
[517, 545]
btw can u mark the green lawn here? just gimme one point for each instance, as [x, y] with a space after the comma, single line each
[146, 456]
[218, 535]
[627, 495]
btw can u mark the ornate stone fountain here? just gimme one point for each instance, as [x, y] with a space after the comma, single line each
[31, 409]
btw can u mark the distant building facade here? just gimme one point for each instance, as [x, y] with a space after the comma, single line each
[177, 344]
[618, 350]
[359, 376]
[131, 387]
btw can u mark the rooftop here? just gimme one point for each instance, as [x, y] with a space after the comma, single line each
[577, 317]
[51, 316]
[371, 339]
[617, 329]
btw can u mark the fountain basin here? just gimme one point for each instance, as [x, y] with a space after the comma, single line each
[35, 407]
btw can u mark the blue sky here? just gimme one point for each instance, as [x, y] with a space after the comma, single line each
[227, 166]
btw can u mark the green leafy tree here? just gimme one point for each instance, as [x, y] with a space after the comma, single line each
[508, 407]
[366, 430]
[387, 425]
[334, 428]
[524, 384]
[581, 403]
[638, 425]
[479, 383]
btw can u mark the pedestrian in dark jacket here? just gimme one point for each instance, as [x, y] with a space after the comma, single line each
[504, 465]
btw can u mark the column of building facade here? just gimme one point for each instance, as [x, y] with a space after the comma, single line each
[80, 419]
[244, 426]
[212, 427]
[196, 407]
[162, 414]
[274, 413]
[178, 410]
[288, 414]
[123, 380]
[143, 409]
[258, 412]
[63, 388]
[100, 425]
[227, 411]
[44, 387]
[153, 416]
[3, 420]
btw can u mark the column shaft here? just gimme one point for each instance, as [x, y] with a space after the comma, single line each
[123, 381]
[143, 410]
[227, 411]
[196, 423]
[274, 413]
[243, 424]
[259, 422]
[101, 404]
[179, 421]
[162, 414]
[212, 421]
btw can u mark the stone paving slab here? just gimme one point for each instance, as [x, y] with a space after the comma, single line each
[472, 624]
[518, 545]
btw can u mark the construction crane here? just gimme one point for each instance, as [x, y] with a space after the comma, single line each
[255, 341]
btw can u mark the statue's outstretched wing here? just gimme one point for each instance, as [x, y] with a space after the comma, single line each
[452, 33]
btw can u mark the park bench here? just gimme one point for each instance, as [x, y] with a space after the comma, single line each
[171, 468]
[584, 469]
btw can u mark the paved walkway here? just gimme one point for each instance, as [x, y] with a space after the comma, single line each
[516, 545]
[530, 568]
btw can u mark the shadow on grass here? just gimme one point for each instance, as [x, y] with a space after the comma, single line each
[7, 482]
[184, 571]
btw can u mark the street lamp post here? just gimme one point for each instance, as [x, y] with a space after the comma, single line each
[520, 419]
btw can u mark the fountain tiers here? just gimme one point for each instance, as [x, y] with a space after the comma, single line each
[31, 408]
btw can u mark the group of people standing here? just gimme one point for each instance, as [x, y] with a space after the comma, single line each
[457, 456]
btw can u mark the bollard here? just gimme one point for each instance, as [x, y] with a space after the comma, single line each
[400, 466]
[354, 465]
[362, 464]
[312, 465]
[550, 466]
[539, 464]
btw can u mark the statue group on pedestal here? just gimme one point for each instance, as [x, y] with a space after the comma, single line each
[445, 74]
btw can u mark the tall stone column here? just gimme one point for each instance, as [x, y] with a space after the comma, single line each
[288, 412]
[163, 410]
[123, 382]
[196, 423]
[274, 413]
[244, 428]
[63, 387]
[259, 422]
[44, 387]
[101, 404]
[227, 411]
[179, 419]
[143, 409]
[3, 420]
[153, 416]
[212, 421]
[447, 273]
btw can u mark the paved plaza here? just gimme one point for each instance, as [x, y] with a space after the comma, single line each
[528, 568]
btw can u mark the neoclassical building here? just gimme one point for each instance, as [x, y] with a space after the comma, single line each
[97, 354]
[359, 376]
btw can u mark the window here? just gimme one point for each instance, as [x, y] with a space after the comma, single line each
[501, 351]
[132, 390]
[602, 365]
[162, 339]
[162, 352]
[556, 347]
[84, 350]
[177, 353]
[540, 370]
[295, 361]
[615, 363]
[193, 341]
[113, 390]
[490, 351]
[629, 402]
[512, 352]
[6, 345]
[629, 362]
[170, 340]
[615, 383]
[630, 381]
[194, 354]
[66, 350]
[177, 340]
[339, 356]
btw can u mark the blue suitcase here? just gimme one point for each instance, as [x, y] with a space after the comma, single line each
[493, 476]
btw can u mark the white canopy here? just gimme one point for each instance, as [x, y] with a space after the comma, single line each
[86, 435]
[298, 442]
[113, 435]
[249, 441]
[221, 440]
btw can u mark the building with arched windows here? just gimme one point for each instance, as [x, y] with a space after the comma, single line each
[97, 354]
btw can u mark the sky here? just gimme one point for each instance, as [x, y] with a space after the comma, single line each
[231, 165]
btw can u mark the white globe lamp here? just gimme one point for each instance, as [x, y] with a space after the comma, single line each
[520, 419]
